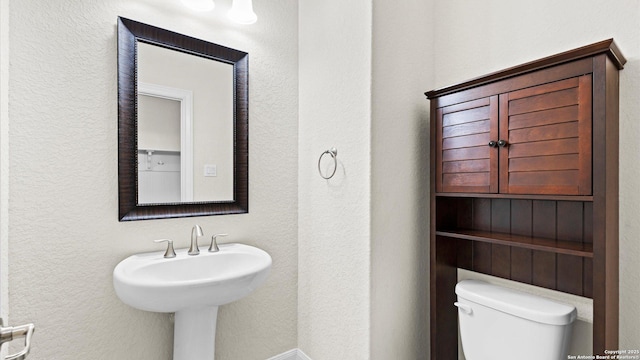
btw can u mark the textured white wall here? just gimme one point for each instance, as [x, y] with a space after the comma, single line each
[62, 222]
[4, 161]
[334, 220]
[399, 179]
[475, 38]
[64, 237]
[158, 123]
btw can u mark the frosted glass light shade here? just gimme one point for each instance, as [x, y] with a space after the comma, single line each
[199, 5]
[242, 12]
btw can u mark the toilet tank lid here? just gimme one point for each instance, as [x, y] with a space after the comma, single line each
[517, 303]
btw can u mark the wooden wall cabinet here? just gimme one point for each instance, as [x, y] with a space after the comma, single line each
[524, 184]
[535, 140]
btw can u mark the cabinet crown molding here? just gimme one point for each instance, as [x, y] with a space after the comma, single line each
[607, 47]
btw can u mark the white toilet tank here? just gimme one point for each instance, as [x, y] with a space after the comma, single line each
[497, 323]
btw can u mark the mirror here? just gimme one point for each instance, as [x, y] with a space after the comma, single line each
[182, 125]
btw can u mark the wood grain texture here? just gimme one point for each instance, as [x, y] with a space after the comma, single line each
[570, 227]
[470, 153]
[544, 163]
[521, 265]
[542, 133]
[556, 87]
[517, 196]
[569, 275]
[501, 261]
[544, 117]
[465, 161]
[605, 205]
[544, 269]
[444, 320]
[501, 215]
[607, 47]
[129, 33]
[470, 128]
[481, 139]
[465, 116]
[554, 223]
[585, 123]
[549, 139]
[560, 72]
[524, 242]
[465, 166]
[549, 100]
[552, 147]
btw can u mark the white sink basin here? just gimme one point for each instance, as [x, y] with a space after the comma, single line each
[193, 287]
[150, 282]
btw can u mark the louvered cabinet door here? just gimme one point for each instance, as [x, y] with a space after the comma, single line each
[548, 128]
[465, 161]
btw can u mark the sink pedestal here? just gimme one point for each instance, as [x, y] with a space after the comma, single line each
[194, 334]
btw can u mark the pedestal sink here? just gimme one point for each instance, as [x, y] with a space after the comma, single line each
[193, 287]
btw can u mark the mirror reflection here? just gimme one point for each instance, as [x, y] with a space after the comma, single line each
[185, 127]
[183, 122]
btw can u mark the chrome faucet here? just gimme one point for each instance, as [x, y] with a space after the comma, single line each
[195, 232]
[214, 243]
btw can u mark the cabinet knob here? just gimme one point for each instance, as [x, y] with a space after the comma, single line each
[493, 143]
[502, 143]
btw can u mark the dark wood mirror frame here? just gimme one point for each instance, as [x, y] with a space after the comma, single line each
[129, 33]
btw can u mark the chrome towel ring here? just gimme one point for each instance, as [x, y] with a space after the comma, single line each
[334, 153]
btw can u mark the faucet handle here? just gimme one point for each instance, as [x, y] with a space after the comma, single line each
[170, 253]
[214, 243]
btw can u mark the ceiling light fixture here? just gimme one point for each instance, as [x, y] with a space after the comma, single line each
[242, 12]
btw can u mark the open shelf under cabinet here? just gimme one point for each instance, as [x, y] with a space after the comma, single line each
[525, 242]
[517, 196]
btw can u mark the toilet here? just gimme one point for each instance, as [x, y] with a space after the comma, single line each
[497, 323]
